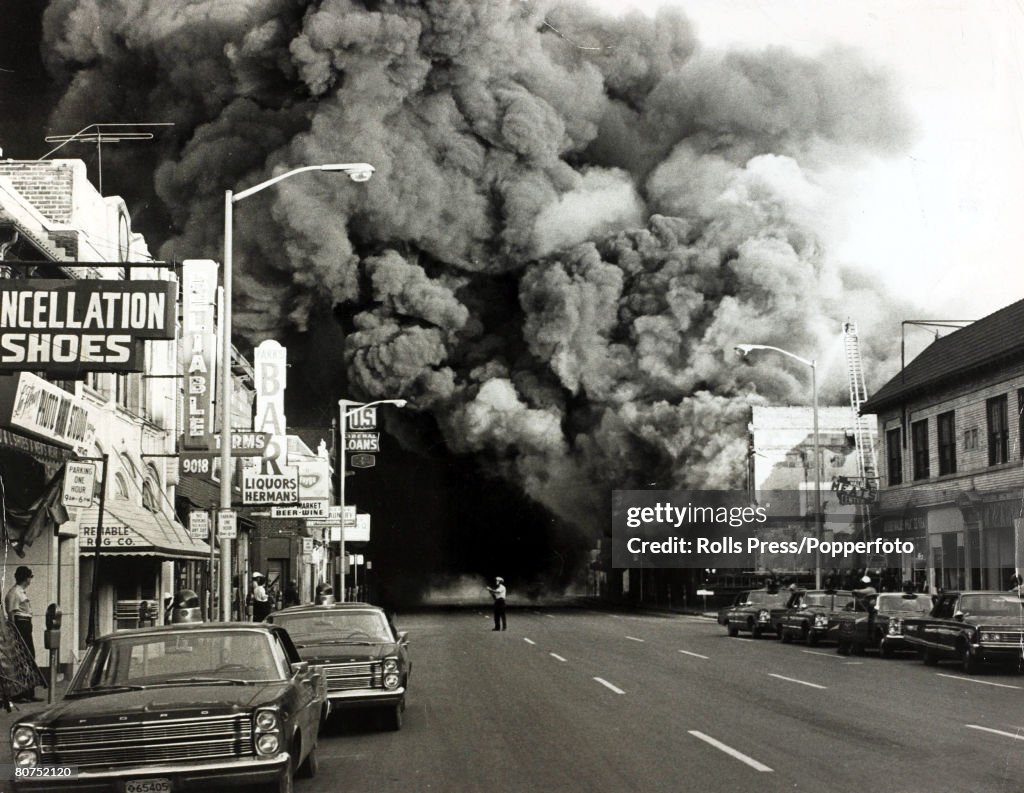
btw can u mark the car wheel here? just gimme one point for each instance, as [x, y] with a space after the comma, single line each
[843, 648]
[885, 650]
[787, 637]
[929, 657]
[813, 639]
[310, 766]
[968, 662]
[392, 718]
[755, 632]
[733, 630]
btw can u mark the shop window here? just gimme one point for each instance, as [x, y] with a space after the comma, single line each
[894, 457]
[998, 436]
[919, 444]
[947, 443]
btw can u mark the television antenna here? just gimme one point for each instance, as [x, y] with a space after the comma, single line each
[105, 133]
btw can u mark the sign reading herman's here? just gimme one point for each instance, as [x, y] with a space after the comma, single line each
[90, 325]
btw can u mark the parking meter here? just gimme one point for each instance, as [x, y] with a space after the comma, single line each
[51, 636]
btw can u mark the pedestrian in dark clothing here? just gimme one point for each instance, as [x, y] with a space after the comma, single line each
[291, 594]
[498, 593]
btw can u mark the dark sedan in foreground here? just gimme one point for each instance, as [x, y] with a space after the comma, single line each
[865, 625]
[189, 707]
[365, 661]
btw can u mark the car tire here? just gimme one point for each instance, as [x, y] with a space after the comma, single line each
[392, 718]
[968, 662]
[884, 650]
[787, 637]
[843, 648]
[732, 630]
[755, 632]
[813, 639]
[310, 766]
[929, 657]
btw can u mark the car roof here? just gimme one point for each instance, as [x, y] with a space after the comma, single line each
[178, 627]
[317, 608]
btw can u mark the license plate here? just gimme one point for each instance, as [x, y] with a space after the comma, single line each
[147, 786]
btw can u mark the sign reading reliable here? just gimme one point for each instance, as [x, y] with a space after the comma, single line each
[92, 325]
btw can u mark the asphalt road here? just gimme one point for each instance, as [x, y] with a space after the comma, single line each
[574, 700]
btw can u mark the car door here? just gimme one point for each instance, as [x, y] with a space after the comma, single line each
[310, 690]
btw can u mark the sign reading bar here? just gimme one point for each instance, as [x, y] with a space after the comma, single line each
[227, 524]
[311, 509]
[87, 325]
[79, 479]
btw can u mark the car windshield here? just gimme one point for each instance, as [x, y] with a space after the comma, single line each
[763, 598]
[336, 627]
[994, 605]
[179, 658]
[836, 600]
[893, 603]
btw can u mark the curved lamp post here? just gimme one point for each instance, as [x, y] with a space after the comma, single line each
[357, 172]
[745, 349]
[346, 408]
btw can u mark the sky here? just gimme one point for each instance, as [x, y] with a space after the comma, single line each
[941, 224]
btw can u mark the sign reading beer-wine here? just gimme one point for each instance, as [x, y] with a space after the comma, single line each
[76, 326]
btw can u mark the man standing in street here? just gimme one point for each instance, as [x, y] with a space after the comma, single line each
[19, 613]
[498, 593]
[260, 600]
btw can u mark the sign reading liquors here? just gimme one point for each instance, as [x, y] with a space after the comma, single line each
[259, 488]
[79, 479]
[84, 325]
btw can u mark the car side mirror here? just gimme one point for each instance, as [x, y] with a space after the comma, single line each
[300, 667]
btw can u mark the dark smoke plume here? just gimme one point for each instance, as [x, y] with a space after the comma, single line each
[565, 235]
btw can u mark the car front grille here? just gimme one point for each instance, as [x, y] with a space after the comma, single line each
[147, 742]
[1007, 638]
[346, 677]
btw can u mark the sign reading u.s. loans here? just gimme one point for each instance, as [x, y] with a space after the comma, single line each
[89, 325]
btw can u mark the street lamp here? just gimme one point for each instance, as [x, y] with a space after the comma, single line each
[342, 426]
[745, 349]
[357, 172]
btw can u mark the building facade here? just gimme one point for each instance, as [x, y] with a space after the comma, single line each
[950, 428]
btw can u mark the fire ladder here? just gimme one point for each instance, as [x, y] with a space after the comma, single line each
[864, 491]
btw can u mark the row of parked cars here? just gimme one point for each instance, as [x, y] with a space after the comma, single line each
[971, 628]
[213, 706]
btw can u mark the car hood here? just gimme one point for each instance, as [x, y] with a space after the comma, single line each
[179, 701]
[347, 653]
[994, 622]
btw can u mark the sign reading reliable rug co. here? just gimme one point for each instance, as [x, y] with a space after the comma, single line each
[90, 325]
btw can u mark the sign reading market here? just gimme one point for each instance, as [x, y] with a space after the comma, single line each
[90, 325]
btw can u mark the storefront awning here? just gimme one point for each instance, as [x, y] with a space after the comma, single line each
[130, 530]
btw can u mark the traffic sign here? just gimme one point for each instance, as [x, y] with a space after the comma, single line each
[198, 524]
[227, 524]
[79, 481]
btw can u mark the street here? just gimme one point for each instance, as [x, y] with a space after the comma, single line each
[585, 700]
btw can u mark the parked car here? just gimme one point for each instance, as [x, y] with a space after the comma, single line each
[365, 661]
[184, 707]
[723, 613]
[970, 627]
[757, 613]
[811, 616]
[880, 627]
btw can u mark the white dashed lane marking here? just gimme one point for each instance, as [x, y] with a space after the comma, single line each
[557, 657]
[794, 680]
[529, 641]
[695, 655]
[634, 639]
[979, 682]
[606, 684]
[743, 758]
[1015, 736]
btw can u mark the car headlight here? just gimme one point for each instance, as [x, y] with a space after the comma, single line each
[762, 616]
[390, 665]
[391, 680]
[266, 721]
[895, 627]
[23, 737]
[268, 743]
[820, 621]
[991, 637]
[26, 758]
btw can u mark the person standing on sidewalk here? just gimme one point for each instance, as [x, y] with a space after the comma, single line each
[19, 613]
[261, 605]
[498, 593]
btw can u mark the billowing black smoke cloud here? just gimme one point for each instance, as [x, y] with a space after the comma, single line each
[565, 235]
